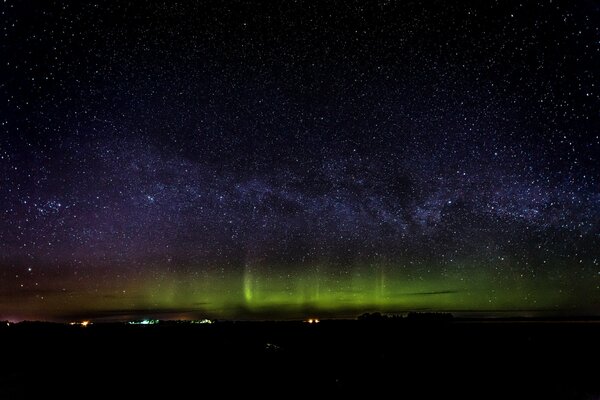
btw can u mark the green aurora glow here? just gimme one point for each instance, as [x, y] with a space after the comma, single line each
[262, 292]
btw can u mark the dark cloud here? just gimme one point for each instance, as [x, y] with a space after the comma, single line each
[438, 292]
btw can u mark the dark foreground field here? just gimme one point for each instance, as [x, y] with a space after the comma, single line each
[371, 359]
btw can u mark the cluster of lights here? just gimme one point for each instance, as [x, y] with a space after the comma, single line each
[202, 321]
[80, 323]
[145, 322]
[312, 321]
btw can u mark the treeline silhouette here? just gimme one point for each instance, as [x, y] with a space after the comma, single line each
[411, 316]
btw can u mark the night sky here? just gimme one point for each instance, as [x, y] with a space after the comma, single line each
[248, 159]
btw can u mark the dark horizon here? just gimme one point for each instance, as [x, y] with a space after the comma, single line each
[278, 315]
[420, 357]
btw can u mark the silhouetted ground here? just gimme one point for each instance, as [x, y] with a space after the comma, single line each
[376, 358]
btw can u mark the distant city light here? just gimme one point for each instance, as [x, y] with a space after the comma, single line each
[202, 321]
[82, 323]
[145, 322]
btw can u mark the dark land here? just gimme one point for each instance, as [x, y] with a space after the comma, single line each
[395, 357]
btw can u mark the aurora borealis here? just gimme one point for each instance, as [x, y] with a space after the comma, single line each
[246, 160]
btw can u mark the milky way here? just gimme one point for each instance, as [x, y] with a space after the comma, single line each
[248, 159]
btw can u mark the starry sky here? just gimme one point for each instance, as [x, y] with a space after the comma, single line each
[258, 159]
